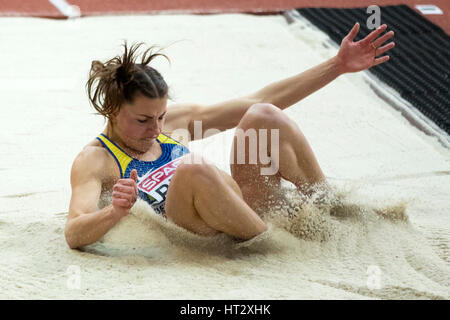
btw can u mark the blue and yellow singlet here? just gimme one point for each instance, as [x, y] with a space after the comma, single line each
[153, 176]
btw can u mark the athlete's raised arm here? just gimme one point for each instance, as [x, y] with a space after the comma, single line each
[352, 57]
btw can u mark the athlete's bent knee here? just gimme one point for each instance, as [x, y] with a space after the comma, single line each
[196, 166]
[265, 114]
[263, 108]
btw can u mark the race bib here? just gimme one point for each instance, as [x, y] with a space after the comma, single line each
[156, 182]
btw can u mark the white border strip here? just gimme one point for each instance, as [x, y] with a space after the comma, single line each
[68, 10]
[409, 111]
[429, 9]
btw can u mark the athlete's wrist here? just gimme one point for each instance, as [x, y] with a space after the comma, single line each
[115, 214]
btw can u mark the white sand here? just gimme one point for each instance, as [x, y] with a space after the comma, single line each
[363, 146]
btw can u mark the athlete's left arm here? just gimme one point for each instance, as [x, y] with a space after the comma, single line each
[352, 57]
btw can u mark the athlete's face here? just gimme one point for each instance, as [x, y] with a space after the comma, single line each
[139, 123]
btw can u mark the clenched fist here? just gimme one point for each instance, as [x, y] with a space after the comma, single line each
[124, 195]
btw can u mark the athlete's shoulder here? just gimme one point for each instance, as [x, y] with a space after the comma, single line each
[94, 150]
[92, 160]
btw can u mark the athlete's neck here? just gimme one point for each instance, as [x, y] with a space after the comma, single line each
[149, 155]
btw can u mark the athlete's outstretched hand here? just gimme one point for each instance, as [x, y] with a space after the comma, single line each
[124, 195]
[361, 55]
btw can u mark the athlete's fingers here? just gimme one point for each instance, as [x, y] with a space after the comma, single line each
[127, 182]
[381, 60]
[374, 34]
[383, 39]
[123, 203]
[122, 195]
[123, 188]
[385, 48]
[134, 175]
[352, 34]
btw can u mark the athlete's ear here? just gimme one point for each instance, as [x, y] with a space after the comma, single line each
[134, 175]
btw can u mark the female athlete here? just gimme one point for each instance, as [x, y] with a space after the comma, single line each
[135, 156]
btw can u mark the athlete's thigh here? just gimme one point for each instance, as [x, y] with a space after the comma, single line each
[179, 207]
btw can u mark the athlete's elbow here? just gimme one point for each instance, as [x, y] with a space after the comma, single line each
[72, 245]
[71, 240]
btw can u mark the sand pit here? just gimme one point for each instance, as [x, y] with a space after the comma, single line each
[385, 234]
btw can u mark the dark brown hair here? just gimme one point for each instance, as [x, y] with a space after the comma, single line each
[119, 79]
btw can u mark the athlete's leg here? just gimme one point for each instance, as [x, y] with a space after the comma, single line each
[296, 161]
[206, 201]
